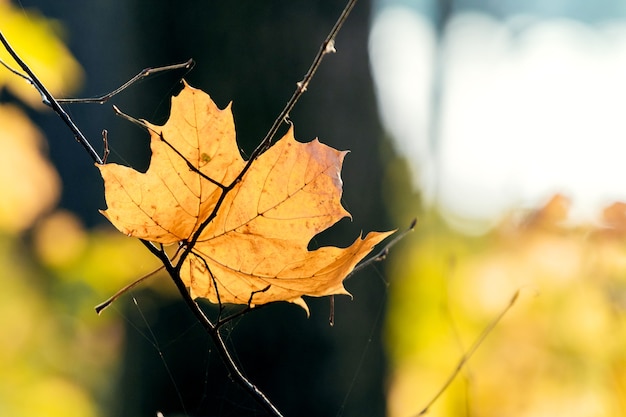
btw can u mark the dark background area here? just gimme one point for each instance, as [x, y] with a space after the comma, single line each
[251, 53]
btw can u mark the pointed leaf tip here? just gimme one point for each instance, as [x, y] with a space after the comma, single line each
[254, 249]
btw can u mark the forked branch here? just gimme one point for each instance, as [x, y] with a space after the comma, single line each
[214, 332]
[146, 72]
[49, 99]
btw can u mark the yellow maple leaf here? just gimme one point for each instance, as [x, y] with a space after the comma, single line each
[253, 250]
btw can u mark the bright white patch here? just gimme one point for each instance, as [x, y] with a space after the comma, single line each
[524, 114]
[402, 50]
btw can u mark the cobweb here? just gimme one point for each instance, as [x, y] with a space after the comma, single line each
[305, 366]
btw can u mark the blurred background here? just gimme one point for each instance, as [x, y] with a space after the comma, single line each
[497, 125]
[508, 117]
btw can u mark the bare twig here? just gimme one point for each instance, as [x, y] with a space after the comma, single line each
[144, 125]
[48, 99]
[380, 256]
[100, 307]
[146, 72]
[328, 46]
[466, 357]
[384, 251]
[19, 74]
[105, 144]
[131, 119]
[213, 331]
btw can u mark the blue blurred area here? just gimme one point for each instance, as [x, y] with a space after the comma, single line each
[499, 105]
[582, 10]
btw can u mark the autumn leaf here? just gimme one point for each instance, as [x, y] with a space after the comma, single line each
[253, 250]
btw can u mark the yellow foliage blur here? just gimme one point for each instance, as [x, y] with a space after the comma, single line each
[560, 351]
[57, 357]
[38, 42]
[30, 185]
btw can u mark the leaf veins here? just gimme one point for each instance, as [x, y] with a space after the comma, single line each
[254, 249]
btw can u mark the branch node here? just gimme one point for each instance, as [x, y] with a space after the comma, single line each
[105, 141]
[302, 85]
[131, 119]
[330, 47]
[49, 100]
[250, 305]
[125, 289]
[146, 72]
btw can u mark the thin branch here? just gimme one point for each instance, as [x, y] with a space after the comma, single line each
[470, 352]
[223, 320]
[48, 99]
[100, 307]
[328, 46]
[162, 255]
[382, 254]
[146, 72]
[19, 74]
[241, 379]
[224, 353]
[144, 125]
[211, 329]
[105, 144]
[131, 119]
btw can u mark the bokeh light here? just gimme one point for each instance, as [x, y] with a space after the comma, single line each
[509, 121]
